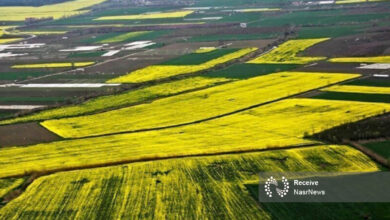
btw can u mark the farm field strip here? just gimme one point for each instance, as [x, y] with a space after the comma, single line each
[156, 72]
[278, 125]
[10, 54]
[89, 54]
[199, 58]
[111, 53]
[257, 10]
[380, 147]
[158, 15]
[195, 106]
[124, 37]
[378, 59]
[20, 107]
[200, 187]
[138, 45]
[126, 98]
[21, 46]
[57, 85]
[9, 40]
[350, 96]
[371, 81]
[232, 37]
[134, 25]
[6, 185]
[52, 65]
[358, 89]
[249, 70]
[82, 48]
[39, 32]
[203, 19]
[287, 53]
[65, 9]
[205, 49]
[356, 1]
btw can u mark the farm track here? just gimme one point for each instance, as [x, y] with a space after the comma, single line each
[15, 193]
[70, 71]
[211, 118]
[376, 157]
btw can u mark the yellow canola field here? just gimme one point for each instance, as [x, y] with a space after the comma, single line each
[158, 15]
[52, 65]
[9, 40]
[39, 32]
[276, 125]
[125, 99]
[358, 89]
[195, 106]
[6, 185]
[189, 188]
[287, 53]
[123, 37]
[156, 72]
[65, 9]
[379, 59]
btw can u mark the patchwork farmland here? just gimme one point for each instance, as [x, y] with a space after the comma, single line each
[170, 109]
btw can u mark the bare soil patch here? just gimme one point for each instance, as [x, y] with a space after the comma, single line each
[25, 134]
[370, 44]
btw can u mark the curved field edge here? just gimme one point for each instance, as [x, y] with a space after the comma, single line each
[195, 106]
[281, 124]
[287, 53]
[158, 72]
[65, 9]
[127, 98]
[202, 187]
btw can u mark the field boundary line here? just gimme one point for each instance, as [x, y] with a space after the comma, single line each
[156, 158]
[207, 119]
[374, 156]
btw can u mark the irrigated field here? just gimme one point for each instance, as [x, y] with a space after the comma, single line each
[157, 72]
[195, 106]
[278, 125]
[287, 53]
[206, 187]
[359, 89]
